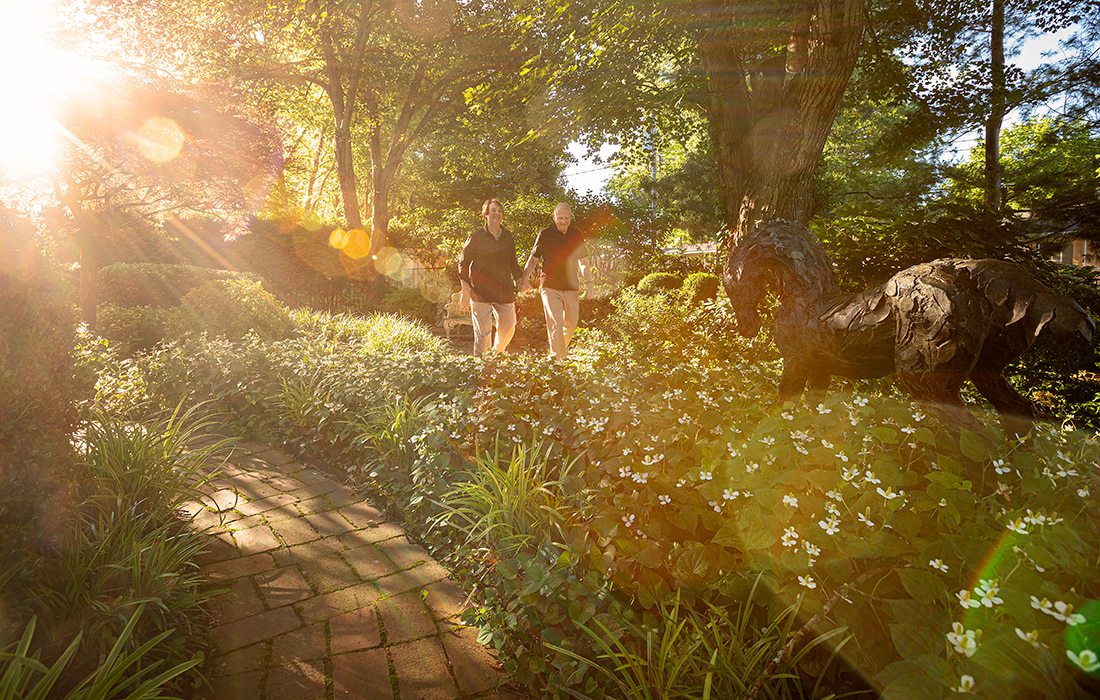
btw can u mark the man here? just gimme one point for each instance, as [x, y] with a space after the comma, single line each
[564, 259]
[487, 269]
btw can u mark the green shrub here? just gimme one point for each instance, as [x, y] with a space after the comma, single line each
[133, 328]
[232, 308]
[411, 302]
[377, 333]
[700, 286]
[659, 282]
[156, 284]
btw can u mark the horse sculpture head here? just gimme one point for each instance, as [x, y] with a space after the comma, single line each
[773, 253]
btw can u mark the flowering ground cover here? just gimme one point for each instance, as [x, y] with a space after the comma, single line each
[641, 522]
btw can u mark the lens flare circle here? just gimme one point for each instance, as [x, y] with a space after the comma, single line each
[160, 139]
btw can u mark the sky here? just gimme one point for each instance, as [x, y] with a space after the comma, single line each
[590, 176]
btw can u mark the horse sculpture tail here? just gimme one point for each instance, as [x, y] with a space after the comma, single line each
[1019, 300]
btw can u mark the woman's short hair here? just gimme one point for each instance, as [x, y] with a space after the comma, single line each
[488, 203]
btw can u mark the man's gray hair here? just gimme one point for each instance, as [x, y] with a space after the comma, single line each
[562, 205]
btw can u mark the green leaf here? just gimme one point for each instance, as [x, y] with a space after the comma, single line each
[924, 586]
[974, 446]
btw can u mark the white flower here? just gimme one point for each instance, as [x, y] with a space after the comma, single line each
[812, 549]
[859, 401]
[769, 441]
[706, 476]
[966, 684]
[842, 457]
[1031, 637]
[715, 506]
[1000, 467]
[751, 467]
[831, 525]
[908, 429]
[967, 601]
[835, 496]
[865, 519]
[987, 590]
[1083, 492]
[807, 581]
[730, 495]
[1087, 660]
[964, 641]
[787, 415]
[642, 477]
[790, 500]
[822, 410]
[801, 450]
[624, 472]
[849, 474]
[1018, 527]
[938, 564]
[1064, 611]
[826, 444]
[888, 493]
[680, 483]
[831, 508]
[664, 499]
[628, 519]
[869, 477]
[790, 537]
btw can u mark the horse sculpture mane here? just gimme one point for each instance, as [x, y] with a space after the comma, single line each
[936, 324]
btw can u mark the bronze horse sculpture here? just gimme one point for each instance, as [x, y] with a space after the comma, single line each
[935, 325]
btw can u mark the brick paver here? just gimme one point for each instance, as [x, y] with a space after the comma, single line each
[322, 599]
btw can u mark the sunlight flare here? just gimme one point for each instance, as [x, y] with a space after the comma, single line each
[32, 73]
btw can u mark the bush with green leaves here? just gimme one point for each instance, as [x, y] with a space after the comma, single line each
[132, 329]
[660, 282]
[700, 286]
[157, 284]
[410, 301]
[232, 308]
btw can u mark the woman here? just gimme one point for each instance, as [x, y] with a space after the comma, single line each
[490, 272]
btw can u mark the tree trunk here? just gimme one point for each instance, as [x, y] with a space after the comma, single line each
[345, 171]
[996, 110]
[382, 173]
[770, 121]
[89, 280]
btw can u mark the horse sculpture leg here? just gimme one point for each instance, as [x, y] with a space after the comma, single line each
[791, 383]
[1016, 412]
[938, 393]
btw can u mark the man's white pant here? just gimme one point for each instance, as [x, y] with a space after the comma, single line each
[484, 313]
[562, 311]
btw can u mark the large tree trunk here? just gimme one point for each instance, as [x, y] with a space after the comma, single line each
[770, 120]
[345, 172]
[996, 110]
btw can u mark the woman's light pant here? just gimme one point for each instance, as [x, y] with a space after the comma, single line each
[484, 313]
[562, 311]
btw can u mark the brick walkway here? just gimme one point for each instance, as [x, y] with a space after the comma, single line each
[327, 600]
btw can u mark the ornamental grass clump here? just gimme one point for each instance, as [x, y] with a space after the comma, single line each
[124, 671]
[128, 545]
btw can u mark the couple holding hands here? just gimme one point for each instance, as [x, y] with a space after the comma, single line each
[491, 276]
